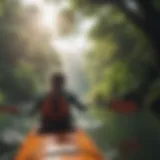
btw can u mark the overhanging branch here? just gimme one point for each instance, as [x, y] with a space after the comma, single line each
[137, 20]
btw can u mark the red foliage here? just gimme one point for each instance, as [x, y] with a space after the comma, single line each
[125, 107]
[9, 109]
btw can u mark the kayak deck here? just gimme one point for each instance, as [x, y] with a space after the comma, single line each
[68, 146]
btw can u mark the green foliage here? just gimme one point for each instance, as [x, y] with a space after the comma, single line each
[120, 58]
[1, 7]
[156, 4]
[88, 7]
[119, 63]
[26, 55]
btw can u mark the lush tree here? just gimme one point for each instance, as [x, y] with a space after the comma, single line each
[144, 14]
[121, 65]
[26, 54]
[120, 59]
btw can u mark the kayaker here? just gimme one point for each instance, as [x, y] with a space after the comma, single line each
[55, 106]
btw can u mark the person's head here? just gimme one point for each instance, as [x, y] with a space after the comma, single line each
[58, 82]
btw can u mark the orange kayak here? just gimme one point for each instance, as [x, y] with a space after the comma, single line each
[67, 146]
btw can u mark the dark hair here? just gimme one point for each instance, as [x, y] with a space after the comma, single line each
[58, 77]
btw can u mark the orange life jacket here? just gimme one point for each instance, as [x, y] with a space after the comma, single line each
[58, 110]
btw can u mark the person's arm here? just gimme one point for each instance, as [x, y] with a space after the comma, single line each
[74, 100]
[37, 106]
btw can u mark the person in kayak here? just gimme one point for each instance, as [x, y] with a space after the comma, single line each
[55, 106]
